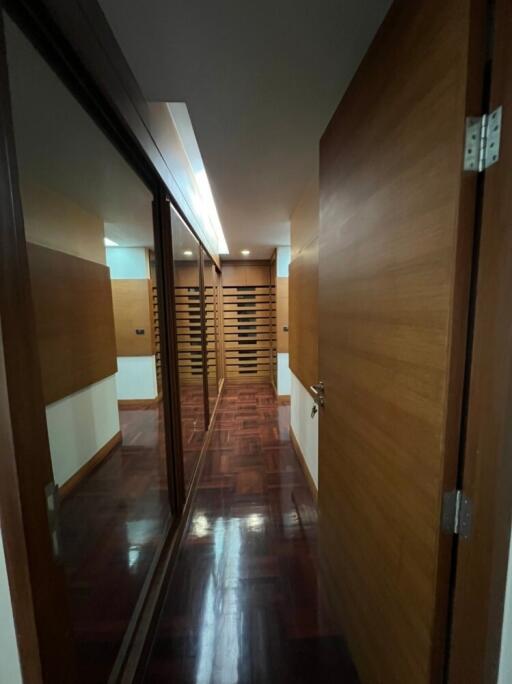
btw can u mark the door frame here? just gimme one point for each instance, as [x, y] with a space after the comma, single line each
[480, 570]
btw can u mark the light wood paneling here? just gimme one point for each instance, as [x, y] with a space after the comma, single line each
[74, 321]
[396, 229]
[54, 221]
[133, 301]
[305, 218]
[239, 273]
[304, 315]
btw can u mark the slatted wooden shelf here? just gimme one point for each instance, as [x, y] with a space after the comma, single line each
[210, 326]
[248, 330]
[156, 335]
[189, 332]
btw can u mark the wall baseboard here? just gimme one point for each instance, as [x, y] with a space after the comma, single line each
[283, 399]
[139, 403]
[92, 464]
[302, 461]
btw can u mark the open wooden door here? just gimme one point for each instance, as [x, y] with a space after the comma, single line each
[396, 232]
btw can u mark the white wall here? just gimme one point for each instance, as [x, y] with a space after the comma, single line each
[283, 374]
[80, 425]
[304, 427]
[283, 258]
[136, 377]
[128, 263]
[505, 671]
[10, 672]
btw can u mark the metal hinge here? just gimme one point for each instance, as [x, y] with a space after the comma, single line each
[457, 513]
[483, 135]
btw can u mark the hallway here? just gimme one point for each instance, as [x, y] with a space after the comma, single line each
[244, 603]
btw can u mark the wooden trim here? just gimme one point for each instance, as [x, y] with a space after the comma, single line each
[283, 399]
[138, 643]
[302, 462]
[96, 460]
[483, 558]
[41, 616]
[139, 403]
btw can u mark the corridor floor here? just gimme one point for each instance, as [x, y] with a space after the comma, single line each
[244, 604]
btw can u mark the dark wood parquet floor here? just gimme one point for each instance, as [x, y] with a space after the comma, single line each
[111, 527]
[244, 605]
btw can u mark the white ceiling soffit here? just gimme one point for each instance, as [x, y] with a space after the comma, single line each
[261, 81]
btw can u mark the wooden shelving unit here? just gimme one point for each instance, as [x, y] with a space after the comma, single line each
[156, 334]
[211, 332]
[248, 311]
[188, 329]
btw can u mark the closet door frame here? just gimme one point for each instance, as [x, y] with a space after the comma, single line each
[42, 621]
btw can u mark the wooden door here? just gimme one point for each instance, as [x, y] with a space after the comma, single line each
[396, 231]
[487, 474]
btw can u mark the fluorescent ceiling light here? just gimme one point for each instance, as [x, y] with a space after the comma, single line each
[246, 252]
[110, 243]
[188, 252]
[205, 206]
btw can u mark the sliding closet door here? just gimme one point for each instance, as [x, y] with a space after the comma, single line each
[89, 237]
[190, 342]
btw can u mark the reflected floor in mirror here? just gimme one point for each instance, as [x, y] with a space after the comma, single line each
[245, 605]
[111, 527]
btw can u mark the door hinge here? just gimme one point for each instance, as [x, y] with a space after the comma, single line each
[457, 513]
[482, 145]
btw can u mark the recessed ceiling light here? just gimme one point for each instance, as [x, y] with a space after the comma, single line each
[246, 252]
[110, 243]
[187, 252]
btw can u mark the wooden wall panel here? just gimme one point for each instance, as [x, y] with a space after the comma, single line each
[74, 317]
[239, 273]
[397, 219]
[132, 300]
[304, 315]
[305, 218]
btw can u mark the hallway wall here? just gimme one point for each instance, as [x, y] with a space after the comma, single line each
[136, 375]
[505, 670]
[303, 327]
[10, 669]
[58, 223]
[283, 256]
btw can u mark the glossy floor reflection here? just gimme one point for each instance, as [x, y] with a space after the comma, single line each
[192, 426]
[244, 605]
[111, 526]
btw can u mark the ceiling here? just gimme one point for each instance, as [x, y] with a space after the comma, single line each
[261, 81]
[60, 148]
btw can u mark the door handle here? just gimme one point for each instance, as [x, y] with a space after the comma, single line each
[318, 392]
